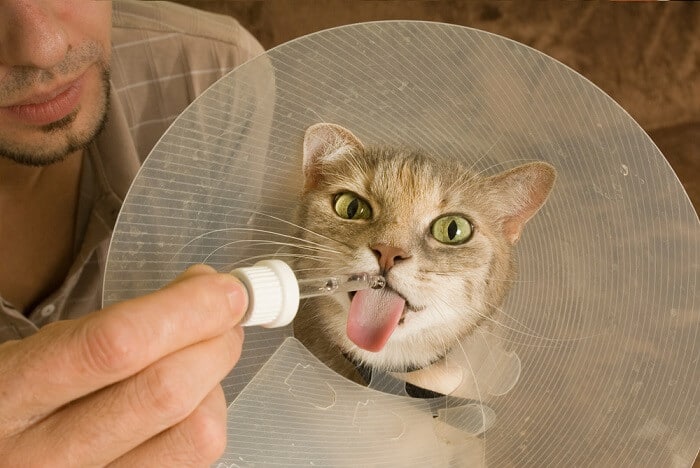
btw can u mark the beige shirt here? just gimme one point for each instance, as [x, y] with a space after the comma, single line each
[163, 56]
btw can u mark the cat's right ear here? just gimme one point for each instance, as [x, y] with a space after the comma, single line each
[520, 193]
[324, 142]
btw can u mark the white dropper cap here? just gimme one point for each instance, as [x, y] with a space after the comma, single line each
[273, 293]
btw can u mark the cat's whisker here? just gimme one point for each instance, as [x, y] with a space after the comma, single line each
[504, 313]
[485, 153]
[255, 230]
[486, 343]
[480, 397]
[298, 226]
[257, 243]
[451, 274]
[502, 164]
[472, 177]
[484, 331]
[468, 174]
[243, 229]
[580, 338]
[305, 248]
[532, 333]
[441, 301]
[515, 330]
[562, 340]
[265, 242]
[281, 255]
[315, 269]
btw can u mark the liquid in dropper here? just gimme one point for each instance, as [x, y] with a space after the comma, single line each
[340, 283]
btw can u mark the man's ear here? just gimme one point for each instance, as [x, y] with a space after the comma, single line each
[520, 193]
[324, 142]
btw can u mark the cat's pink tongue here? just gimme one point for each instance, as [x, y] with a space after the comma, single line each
[373, 317]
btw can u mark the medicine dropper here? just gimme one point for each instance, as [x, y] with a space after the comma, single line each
[274, 291]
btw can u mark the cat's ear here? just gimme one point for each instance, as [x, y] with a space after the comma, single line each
[324, 142]
[520, 193]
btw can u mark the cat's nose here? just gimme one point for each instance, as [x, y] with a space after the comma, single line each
[388, 255]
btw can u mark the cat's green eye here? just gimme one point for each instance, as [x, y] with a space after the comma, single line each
[452, 229]
[350, 206]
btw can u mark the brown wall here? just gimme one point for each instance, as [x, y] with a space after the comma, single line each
[646, 56]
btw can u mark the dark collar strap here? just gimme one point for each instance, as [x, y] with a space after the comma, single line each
[412, 390]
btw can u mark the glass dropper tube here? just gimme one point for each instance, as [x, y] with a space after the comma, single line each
[339, 283]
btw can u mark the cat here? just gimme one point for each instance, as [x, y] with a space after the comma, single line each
[441, 234]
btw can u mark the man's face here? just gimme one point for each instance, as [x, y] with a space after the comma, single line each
[54, 77]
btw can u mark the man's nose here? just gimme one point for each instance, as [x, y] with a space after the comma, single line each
[32, 34]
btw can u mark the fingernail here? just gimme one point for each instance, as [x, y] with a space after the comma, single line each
[238, 298]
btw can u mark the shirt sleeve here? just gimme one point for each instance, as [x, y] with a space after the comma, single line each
[164, 55]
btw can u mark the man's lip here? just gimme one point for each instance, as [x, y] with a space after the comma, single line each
[49, 106]
[40, 98]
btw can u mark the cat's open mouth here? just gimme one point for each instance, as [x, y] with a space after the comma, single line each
[374, 315]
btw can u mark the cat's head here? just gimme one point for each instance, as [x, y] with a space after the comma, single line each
[441, 234]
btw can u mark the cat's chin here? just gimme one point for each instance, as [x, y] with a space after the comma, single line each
[394, 358]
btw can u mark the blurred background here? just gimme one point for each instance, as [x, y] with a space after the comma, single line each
[645, 55]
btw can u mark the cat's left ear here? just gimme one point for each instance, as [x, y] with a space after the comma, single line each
[324, 142]
[520, 193]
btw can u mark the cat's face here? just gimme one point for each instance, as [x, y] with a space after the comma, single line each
[441, 235]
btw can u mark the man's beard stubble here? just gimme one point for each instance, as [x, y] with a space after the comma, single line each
[74, 141]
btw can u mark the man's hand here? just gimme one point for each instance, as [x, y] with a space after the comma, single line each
[135, 384]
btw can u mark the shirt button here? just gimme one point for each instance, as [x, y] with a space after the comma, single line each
[48, 310]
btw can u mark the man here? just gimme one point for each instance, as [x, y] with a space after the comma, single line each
[81, 104]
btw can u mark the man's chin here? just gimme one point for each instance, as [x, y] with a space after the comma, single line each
[41, 158]
[54, 152]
